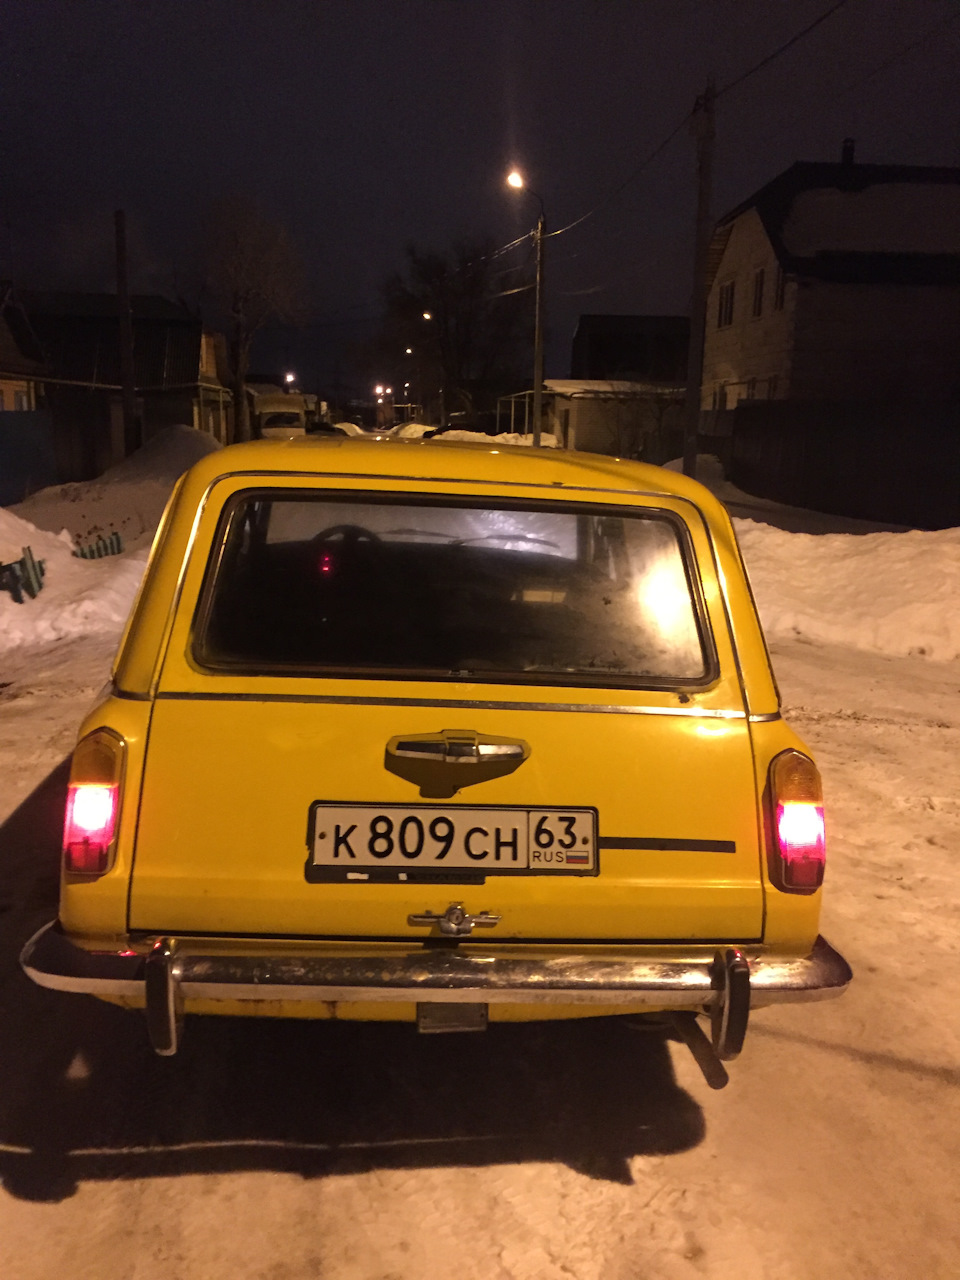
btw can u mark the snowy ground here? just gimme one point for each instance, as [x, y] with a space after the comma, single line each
[591, 1151]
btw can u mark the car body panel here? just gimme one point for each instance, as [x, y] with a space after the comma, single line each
[223, 767]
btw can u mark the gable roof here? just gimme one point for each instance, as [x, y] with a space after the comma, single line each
[857, 223]
[80, 335]
[20, 353]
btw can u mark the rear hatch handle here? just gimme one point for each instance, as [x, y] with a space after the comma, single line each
[443, 762]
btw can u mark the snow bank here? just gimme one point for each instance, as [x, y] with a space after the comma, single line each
[92, 597]
[79, 597]
[893, 593]
[128, 499]
[547, 441]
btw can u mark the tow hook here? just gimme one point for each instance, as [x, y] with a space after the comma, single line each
[729, 1014]
[164, 999]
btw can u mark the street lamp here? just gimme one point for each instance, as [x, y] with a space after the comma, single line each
[515, 180]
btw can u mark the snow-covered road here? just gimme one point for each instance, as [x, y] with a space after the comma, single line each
[589, 1151]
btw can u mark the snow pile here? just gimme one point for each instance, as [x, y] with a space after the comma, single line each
[412, 431]
[15, 534]
[79, 597]
[547, 441]
[893, 593]
[92, 597]
[128, 499]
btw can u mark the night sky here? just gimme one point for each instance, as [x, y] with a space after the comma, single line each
[365, 124]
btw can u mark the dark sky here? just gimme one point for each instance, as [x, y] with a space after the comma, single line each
[365, 124]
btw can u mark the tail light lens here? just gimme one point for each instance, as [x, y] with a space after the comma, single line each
[93, 804]
[797, 839]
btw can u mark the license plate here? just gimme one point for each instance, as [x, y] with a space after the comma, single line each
[388, 842]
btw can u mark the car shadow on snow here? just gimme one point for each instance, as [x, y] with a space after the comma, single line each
[82, 1096]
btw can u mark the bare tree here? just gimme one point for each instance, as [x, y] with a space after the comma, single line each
[475, 344]
[255, 275]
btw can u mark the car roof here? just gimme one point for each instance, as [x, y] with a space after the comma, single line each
[391, 457]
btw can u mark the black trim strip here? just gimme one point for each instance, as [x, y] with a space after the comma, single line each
[692, 846]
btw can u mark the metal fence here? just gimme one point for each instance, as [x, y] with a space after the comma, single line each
[895, 463]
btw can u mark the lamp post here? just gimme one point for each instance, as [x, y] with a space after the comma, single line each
[515, 180]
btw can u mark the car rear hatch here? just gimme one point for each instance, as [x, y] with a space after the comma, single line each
[379, 706]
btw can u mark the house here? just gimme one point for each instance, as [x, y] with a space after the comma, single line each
[179, 374]
[597, 415]
[837, 282]
[27, 460]
[832, 331]
[21, 360]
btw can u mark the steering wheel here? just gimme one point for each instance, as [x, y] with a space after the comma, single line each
[352, 534]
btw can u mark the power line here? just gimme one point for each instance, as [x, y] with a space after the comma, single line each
[874, 71]
[788, 44]
[612, 195]
[764, 62]
[902, 53]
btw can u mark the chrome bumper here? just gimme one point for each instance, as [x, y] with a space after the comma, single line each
[219, 969]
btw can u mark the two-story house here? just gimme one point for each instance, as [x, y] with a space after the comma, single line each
[837, 282]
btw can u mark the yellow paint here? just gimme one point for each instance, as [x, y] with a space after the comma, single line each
[214, 812]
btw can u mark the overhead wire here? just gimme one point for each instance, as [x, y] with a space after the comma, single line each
[787, 44]
[725, 89]
[662, 146]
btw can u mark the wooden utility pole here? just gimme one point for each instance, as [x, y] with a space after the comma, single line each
[702, 128]
[132, 433]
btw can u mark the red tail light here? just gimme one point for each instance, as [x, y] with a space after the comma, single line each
[93, 804]
[798, 840]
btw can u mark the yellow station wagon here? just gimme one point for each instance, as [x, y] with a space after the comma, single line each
[442, 733]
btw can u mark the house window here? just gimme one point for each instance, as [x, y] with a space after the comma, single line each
[725, 304]
[772, 387]
[779, 290]
[20, 401]
[758, 292]
[751, 389]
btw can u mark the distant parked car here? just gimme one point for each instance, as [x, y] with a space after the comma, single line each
[282, 426]
[443, 733]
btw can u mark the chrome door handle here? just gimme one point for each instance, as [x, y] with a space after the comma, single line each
[441, 763]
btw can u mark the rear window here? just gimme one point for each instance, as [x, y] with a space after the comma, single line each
[437, 590]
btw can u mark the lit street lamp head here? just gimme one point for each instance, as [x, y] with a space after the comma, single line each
[515, 179]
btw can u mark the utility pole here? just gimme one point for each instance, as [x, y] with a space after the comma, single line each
[538, 334]
[132, 433]
[702, 128]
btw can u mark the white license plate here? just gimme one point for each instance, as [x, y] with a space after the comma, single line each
[434, 838]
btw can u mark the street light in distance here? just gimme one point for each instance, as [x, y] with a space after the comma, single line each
[515, 180]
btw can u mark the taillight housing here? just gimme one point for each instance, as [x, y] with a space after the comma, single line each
[796, 830]
[93, 804]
